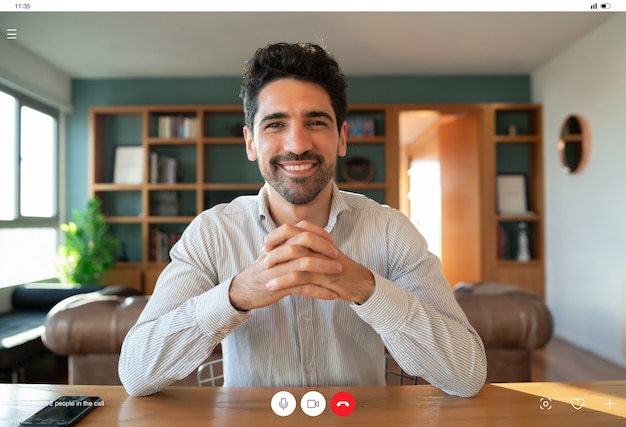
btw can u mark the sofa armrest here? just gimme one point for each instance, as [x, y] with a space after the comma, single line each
[91, 323]
[507, 317]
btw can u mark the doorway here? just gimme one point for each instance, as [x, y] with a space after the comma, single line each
[439, 166]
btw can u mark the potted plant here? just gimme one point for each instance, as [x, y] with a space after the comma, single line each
[89, 249]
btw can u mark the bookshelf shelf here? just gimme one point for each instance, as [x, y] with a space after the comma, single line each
[525, 139]
[171, 141]
[367, 140]
[223, 141]
[522, 218]
[169, 219]
[124, 219]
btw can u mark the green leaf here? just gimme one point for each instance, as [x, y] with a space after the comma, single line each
[89, 248]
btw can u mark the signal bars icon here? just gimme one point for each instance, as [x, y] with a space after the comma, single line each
[11, 33]
[602, 6]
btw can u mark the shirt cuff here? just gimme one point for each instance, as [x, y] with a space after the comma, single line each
[216, 315]
[387, 308]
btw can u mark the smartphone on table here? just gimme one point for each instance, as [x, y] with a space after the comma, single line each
[65, 411]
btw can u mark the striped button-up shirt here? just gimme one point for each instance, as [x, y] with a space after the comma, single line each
[301, 341]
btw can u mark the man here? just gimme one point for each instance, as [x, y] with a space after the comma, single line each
[304, 285]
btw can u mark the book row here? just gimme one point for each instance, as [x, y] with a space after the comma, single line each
[361, 126]
[161, 242]
[164, 203]
[176, 126]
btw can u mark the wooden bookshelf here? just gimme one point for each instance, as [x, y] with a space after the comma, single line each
[513, 145]
[207, 146]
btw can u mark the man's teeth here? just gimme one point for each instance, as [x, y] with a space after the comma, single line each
[294, 168]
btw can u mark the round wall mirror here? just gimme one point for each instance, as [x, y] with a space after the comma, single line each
[574, 145]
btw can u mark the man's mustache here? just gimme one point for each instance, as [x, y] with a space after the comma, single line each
[292, 157]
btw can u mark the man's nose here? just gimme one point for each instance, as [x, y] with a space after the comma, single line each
[298, 140]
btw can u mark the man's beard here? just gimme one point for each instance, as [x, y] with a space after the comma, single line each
[298, 191]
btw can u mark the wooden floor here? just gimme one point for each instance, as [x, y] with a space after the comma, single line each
[560, 361]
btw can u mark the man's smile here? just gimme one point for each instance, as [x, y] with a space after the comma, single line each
[297, 167]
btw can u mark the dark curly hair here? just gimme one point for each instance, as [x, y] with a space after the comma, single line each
[302, 61]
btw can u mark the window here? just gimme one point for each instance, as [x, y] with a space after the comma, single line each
[29, 220]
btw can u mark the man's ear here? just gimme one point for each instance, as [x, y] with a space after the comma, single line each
[342, 149]
[250, 148]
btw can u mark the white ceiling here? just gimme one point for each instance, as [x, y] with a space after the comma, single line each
[183, 44]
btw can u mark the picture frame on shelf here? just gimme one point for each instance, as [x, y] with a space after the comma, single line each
[512, 195]
[128, 166]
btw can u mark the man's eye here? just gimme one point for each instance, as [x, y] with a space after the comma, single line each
[317, 123]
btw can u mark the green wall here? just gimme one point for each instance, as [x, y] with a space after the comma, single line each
[225, 90]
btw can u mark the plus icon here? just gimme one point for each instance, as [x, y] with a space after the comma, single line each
[610, 404]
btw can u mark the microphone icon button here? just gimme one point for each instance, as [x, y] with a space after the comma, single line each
[283, 403]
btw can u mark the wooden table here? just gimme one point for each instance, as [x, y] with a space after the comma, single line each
[508, 405]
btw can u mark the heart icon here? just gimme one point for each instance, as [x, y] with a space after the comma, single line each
[577, 403]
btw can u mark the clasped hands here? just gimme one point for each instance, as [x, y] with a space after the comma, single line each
[300, 259]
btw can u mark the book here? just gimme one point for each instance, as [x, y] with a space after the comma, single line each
[154, 167]
[171, 169]
[503, 246]
[128, 167]
[163, 169]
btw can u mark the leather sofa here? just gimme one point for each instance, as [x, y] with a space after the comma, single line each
[90, 328]
[22, 323]
[511, 321]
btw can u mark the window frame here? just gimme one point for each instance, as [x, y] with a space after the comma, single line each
[25, 222]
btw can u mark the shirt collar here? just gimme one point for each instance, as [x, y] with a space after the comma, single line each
[337, 205]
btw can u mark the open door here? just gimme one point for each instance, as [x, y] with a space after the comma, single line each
[442, 162]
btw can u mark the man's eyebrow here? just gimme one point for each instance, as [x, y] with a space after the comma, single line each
[307, 114]
[273, 116]
[314, 114]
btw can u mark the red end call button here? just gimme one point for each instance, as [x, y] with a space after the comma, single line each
[342, 403]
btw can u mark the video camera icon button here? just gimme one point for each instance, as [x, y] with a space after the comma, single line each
[313, 403]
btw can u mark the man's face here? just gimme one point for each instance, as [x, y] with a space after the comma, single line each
[295, 139]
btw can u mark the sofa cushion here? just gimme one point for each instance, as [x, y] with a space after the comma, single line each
[22, 327]
[20, 333]
[43, 296]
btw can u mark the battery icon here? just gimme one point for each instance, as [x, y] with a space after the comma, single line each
[605, 5]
